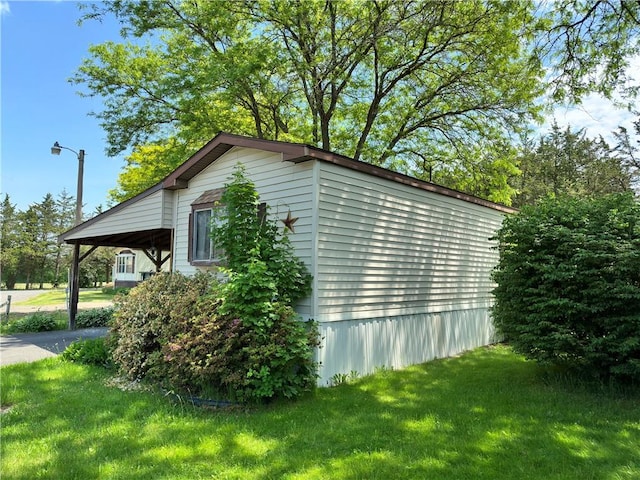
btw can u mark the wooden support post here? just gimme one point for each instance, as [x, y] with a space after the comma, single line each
[75, 286]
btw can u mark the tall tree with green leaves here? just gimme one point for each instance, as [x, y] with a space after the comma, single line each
[628, 151]
[31, 247]
[65, 218]
[589, 45]
[47, 235]
[381, 81]
[96, 268]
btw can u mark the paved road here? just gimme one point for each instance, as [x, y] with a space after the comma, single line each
[29, 347]
[20, 295]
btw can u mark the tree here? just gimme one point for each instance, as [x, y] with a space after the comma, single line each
[147, 165]
[568, 284]
[30, 251]
[96, 268]
[30, 245]
[589, 46]
[48, 219]
[65, 218]
[9, 251]
[629, 153]
[383, 81]
[249, 239]
[567, 163]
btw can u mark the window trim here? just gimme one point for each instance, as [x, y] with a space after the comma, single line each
[209, 200]
[126, 259]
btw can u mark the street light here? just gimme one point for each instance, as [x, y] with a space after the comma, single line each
[55, 150]
[75, 270]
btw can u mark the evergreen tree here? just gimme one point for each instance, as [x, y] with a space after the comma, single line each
[9, 243]
[568, 163]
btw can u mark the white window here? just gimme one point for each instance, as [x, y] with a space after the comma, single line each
[126, 263]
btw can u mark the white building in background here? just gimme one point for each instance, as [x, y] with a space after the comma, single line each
[132, 267]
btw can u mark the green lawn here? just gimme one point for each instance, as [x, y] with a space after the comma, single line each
[58, 296]
[485, 415]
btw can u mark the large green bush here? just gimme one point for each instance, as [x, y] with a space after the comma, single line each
[143, 317]
[245, 234]
[94, 317]
[238, 340]
[568, 280]
[224, 357]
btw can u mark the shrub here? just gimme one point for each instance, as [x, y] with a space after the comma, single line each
[221, 353]
[96, 317]
[143, 316]
[239, 340]
[568, 280]
[246, 234]
[115, 290]
[92, 351]
[35, 322]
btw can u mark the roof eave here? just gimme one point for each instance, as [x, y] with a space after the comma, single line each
[63, 236]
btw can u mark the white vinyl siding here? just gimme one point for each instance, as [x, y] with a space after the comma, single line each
[284, 186]
[386, 249]
[148, 213]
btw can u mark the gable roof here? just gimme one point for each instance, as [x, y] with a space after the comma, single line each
[297, 153]
[218, 146]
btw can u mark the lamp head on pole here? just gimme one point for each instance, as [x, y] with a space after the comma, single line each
[56, 149]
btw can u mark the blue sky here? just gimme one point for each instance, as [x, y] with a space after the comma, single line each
[42, 46]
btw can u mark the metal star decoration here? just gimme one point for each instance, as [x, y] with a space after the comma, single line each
[289, 221]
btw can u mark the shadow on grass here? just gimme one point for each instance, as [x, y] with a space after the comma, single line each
[483, 415]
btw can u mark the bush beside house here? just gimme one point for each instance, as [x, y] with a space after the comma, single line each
[239, 339]
[568, 280]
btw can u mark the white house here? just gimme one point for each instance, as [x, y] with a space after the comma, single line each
[401, 267]
[132, 267]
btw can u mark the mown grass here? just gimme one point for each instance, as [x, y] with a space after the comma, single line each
[485, 415]
[59, 296]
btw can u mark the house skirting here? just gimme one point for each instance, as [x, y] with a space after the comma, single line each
[125, 283]
[363, 346]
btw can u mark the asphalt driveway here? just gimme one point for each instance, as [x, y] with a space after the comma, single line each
[29, 347]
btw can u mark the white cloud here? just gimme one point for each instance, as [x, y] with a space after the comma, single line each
[4, 8]
[597, 115]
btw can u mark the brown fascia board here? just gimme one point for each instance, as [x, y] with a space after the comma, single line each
[111, 211]
[218, 146]
[297, 153]
[369, 169]
[291, 152]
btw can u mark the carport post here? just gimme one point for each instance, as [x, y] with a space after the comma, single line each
[75, 286]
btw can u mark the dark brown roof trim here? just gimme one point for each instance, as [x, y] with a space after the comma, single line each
[297, 153]
[387, 174]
